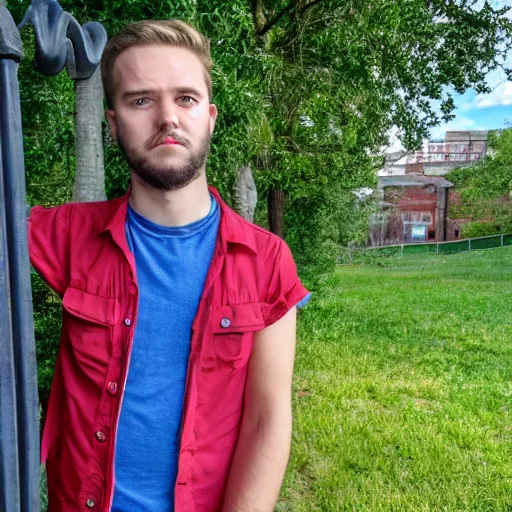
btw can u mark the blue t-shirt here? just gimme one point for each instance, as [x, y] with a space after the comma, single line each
[172, 263]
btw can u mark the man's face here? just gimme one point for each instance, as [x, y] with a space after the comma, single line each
[162, 118]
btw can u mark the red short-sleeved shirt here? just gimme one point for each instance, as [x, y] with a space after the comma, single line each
[82, 253]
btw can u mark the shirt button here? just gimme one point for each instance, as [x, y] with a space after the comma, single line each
[90, 503]
[112, 387]
[225, 323]
[100, 436]
[127, 322]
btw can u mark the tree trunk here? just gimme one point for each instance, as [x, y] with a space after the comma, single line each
[90, 170]
[246, 195]
[276, 200]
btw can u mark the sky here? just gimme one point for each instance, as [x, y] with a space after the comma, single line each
[479, 111]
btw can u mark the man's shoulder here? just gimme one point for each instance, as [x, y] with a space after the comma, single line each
[261, 233]
[76, 217]
[100, 210]
[260, 240]
[95, 207]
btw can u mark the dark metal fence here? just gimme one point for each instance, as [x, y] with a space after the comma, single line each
[19, 426]
[19, 422]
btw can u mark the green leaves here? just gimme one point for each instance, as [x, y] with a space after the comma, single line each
[485, 190]
[306, 92]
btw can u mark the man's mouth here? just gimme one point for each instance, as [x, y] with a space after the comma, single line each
[165, 140]
[171, 141]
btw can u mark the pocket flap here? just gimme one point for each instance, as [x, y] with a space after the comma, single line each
[238, 318]
[88, 306]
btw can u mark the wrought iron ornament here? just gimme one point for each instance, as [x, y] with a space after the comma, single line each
[61, 41]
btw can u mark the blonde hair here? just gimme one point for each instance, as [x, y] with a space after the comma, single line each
[148, 32]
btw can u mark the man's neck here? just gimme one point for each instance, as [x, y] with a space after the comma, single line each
[171, 208]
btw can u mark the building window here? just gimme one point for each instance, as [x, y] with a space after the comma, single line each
[417, 217]
[415, 226]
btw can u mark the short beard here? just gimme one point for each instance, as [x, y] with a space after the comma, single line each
[167, 177]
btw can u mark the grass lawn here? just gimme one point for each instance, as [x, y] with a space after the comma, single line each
[403, 388]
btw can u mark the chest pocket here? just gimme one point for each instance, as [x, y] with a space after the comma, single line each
[233, 329]
[88, 325]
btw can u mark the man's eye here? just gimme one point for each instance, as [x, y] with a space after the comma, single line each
[187, 100]
[141, 102]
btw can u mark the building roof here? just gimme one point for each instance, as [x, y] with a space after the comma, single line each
[466, 136]
[411, 180]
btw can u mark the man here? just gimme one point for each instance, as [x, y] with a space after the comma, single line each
[172, 388]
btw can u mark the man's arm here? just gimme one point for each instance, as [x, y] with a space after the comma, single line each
[263, 446]
[48, 245]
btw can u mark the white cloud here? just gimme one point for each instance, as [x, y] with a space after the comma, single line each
[466, 101]
[502, 95]
[497, 77]
[496, 4]
[499, 4]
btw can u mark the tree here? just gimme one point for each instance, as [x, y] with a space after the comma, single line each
[348, 71]
[245, 193]
[305, 87]
[485, 190]
[89, 182]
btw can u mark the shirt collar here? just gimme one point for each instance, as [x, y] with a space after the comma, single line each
[232, 229]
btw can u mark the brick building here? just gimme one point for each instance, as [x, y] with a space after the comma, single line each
[415, 195]
[413, 209]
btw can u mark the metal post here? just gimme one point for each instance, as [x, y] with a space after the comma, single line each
[60, 41]
[19, 293]
[9, 468]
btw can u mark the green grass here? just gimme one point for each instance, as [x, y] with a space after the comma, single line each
[403, 388]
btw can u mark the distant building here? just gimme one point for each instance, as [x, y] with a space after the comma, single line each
[413, 209]
[439, 158]
[414, 195]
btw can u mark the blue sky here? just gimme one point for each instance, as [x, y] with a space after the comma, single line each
[495, 111]
[484, 111]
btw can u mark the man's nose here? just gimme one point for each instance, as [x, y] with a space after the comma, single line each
[168, 114]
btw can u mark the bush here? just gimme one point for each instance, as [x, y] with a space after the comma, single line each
[485, 190]
[318, 225]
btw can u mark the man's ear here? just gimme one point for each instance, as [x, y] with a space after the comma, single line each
[213, 116]
[112, 123]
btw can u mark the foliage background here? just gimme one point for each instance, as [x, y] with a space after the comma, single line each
[306, 92]
[486, 190]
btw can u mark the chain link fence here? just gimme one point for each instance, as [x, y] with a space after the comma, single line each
[469, 244]
[456, 246]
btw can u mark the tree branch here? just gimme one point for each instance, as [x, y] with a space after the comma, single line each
[259, 20]
[287, 10]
